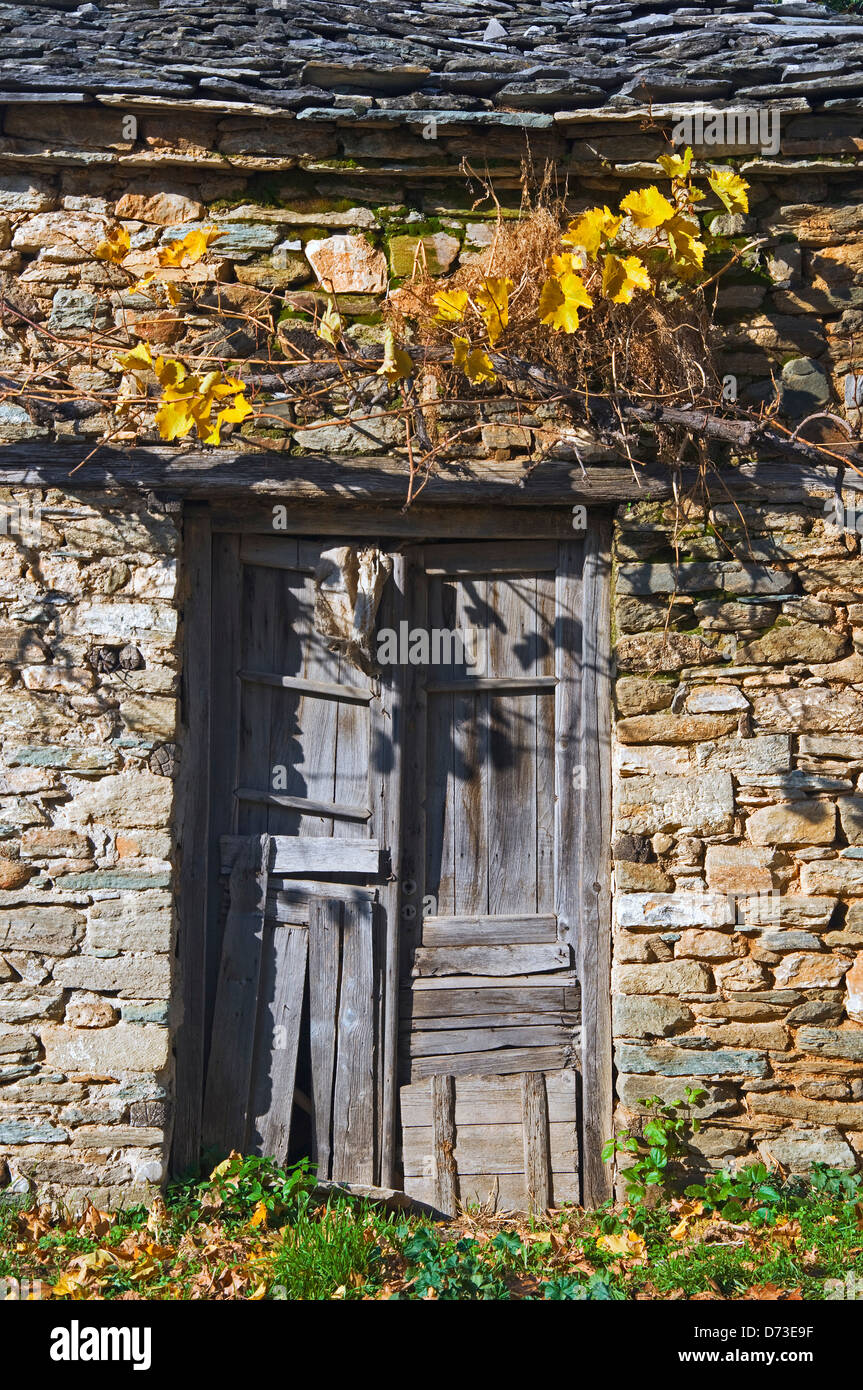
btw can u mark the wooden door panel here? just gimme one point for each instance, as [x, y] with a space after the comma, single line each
[491, 935]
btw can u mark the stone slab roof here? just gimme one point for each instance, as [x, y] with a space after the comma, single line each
[335, 59]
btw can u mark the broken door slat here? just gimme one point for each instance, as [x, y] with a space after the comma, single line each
[444, 1137]
[354, 1091]
[537, 1146]
[325, 918]
[283, 981]
[491, 960]
[229, 1074]
[291, 854]
[304, 804]
[504, 1018]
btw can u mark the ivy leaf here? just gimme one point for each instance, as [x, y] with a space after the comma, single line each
[397, 363]
[492, 299]
[647, 208]
[475, 363]
[193, 246]
[561, 298]
[730, 189]
[451, 305]
[621, 277]
[676, 166]
[590, 229]
[687, 249]
[116, 246]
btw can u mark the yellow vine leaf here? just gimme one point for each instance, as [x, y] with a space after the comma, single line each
[330, 327]
[590, 229]
[560, 300]
[492, 299]
[730, 189]
[474, 362]
[115, 247]
[138, 360]
[687, 249]
[193, 246]
[621, 277]
[173, 294]
[140, 286]
[451, 305]
[647, 208]
[397, 363]
[676, 166]
[565, 264]
[169, 372]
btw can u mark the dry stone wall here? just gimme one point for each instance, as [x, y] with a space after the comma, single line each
[738, 758]
[88, 711]
[738, 857]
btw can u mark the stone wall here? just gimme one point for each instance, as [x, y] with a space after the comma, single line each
[88, 631]
[739, 736]
[738, 944]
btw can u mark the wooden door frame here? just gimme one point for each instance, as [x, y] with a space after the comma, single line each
[194, 795]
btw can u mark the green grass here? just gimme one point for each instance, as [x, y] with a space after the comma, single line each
[253, 1230]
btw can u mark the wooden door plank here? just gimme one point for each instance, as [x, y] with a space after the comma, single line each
[444, 1138]
[493, 931]
[337, 810]
[354, 1092]
[491, 960]
[440, 833]
[275, 552]
[261, 616]
[415, 800]
[390, 714]
[327, 690]
[491, 1148]
[506, 1060]
[563, 979]
[470, 738]
[491, 558]
[476, 1039]
[295, 854]
[442, 1004]
[544, 726]
[283, 982]
[513, 649]
[593, 880]
[229, 1074]
[537, 1154]
[490, 1100]
[503, 1018]
[325, 917]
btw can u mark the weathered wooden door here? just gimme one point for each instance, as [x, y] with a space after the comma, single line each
[490, 872]
[304, 805]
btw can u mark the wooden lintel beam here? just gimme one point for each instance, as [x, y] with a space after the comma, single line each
[226, 474]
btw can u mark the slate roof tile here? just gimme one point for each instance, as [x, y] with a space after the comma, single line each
[509, 54]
